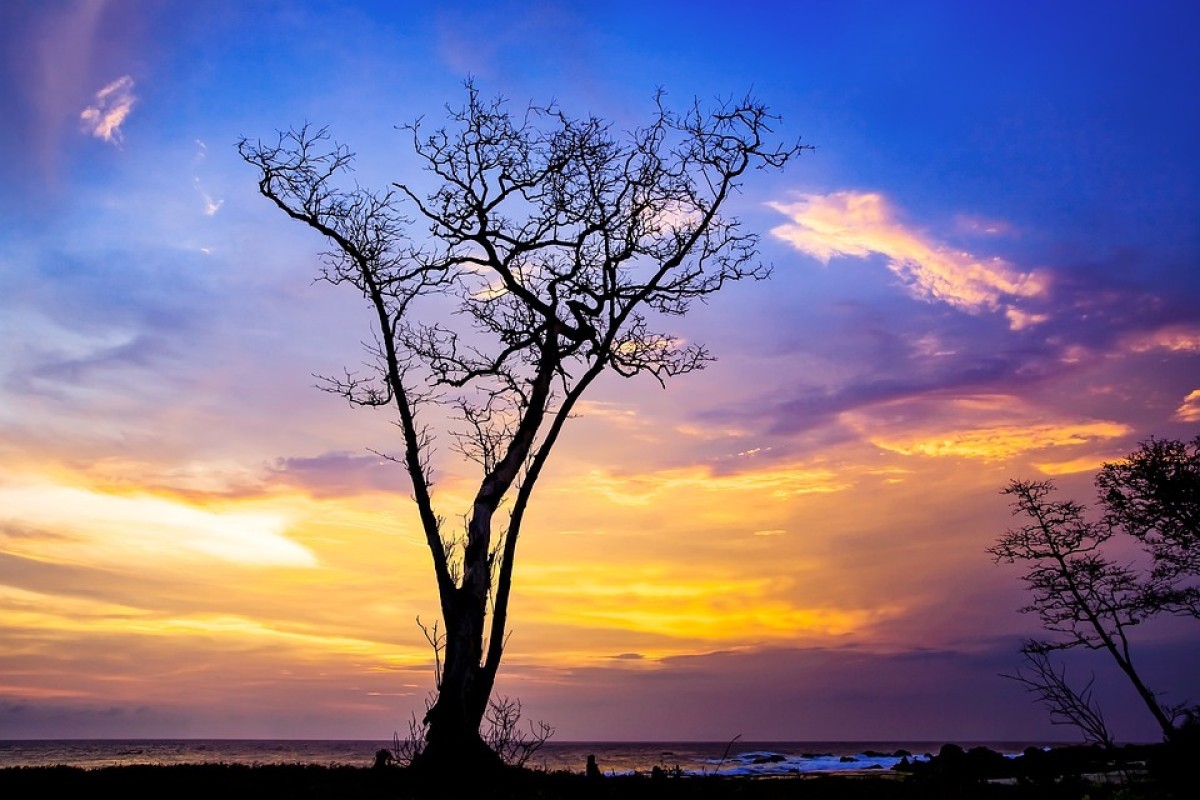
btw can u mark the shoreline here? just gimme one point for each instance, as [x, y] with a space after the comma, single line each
[621, 757]
[1133, 773]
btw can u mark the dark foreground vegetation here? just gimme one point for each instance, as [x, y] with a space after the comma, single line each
[1124, 773]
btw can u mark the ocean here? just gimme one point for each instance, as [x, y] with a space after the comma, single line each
[696, 758]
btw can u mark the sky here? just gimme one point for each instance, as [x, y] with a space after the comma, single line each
[986, 269]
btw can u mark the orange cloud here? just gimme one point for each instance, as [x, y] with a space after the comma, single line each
[1088, 463]
[779, 482]
[987, 427]
[1189, 411]
[112, 105]
[861, 224]
[1000, 441]
[657, 600]
[62, 614]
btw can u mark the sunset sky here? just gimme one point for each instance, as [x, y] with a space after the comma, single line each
[989, 268]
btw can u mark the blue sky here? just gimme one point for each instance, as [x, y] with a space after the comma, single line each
[986, 269]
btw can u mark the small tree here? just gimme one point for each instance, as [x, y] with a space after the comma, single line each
[1077, 592]
[555, 246]
[1152, 495]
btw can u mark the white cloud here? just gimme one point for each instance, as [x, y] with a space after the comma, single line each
[113, 104]
[211, 206]
[978, 226]
[862, 224]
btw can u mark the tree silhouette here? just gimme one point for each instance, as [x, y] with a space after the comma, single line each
[1081, 594]
[557, 248]
[1067, 705]
[1154, 495]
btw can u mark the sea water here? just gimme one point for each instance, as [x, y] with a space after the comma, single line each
[693, 758]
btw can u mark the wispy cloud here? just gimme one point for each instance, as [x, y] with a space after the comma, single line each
[979, 226]
[982, 427]
[1189, 411]
[1019, 320]
[1000, 442]
[1175, 338]
[862, 224]
[784, 481]
[211, 205]
[1088, 463]
[103, 119]
[338, 473]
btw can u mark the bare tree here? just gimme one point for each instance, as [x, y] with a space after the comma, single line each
[504, 735]
[558, 247]
[1077, 592]
[1067, 705]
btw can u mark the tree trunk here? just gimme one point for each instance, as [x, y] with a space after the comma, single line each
[453, 743]
[452, 738]
[1167, 725]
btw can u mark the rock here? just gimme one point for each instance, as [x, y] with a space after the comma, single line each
[771, 758]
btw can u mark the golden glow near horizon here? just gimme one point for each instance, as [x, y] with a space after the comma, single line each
[250, 573]
[655, 535]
